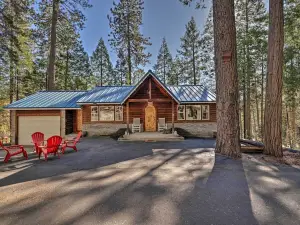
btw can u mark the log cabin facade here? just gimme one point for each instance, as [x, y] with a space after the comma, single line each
[190, 107]
[107, 109]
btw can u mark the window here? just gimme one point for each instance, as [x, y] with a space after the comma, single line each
[193, 112]
[94, 113]
[106, 113]
[119, 113]
[181, 112]
[205, 112]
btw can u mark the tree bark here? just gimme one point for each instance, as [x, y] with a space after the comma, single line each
[194, 65]
[248, 77]
[257, 133]
[67, 70]
[101, 68]
[262, 99]
[129, 75]
[228, 138]
[273, 103]
[52, 55]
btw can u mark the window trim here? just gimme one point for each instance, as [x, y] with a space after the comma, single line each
[92, 119]
[181, 112]
[208, 113]
[122, 113]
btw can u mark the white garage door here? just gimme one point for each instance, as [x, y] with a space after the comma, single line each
[49, 125]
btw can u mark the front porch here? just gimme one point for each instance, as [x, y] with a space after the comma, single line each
[151, 137]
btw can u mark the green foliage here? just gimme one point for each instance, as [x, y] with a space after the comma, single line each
[125, 20]
[292, 52]
[177, 71]
[163, 66]
[207, 54]
[190, 51]
[102, 68]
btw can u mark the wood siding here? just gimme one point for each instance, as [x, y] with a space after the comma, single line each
[38, 112]
[137, 109]
[143, 91]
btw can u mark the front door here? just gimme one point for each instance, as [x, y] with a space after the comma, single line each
[150, 117]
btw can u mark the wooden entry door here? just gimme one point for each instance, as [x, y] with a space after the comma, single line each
[150, 117]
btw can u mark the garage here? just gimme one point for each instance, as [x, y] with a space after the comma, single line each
[27, 125]
[49, 112]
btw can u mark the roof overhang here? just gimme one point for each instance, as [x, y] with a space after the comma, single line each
[99, 103]
[184, 103]
[10, 109]
[148, 74]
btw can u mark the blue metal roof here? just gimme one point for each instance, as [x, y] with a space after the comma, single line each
[106, 94]
[49, 99]
[109, 95]
[192, 93]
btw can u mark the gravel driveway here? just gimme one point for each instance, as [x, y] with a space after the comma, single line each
[111, 183]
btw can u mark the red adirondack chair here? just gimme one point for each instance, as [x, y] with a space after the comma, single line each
[38, 140]
[71, 143]
[52, 146]
[12, 151]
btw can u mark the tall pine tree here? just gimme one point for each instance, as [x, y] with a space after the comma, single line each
[190, 51]
[62, 10]
[207, 54]
[163, 66]
[125, 21]
[102, 68]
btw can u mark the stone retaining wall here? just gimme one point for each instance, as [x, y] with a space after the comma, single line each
[194, 129]
[198, 129]
[98, 129]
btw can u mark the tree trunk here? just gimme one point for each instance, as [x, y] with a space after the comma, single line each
[254, 125]
[67, 70]
[248, 76]
[273, 103]
[262, 99]
[129, 75]
[11, 81]
[101, 69]
[244, 99]
[257, 133]
[52, 55]
[228, 133]
[194, 65]
[17, 84]
[164, 69]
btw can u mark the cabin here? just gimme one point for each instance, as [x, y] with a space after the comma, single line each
[105, 110]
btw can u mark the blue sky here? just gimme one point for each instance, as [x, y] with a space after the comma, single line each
[161, 18]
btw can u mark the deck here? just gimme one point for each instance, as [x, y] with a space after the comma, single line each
[151, 137]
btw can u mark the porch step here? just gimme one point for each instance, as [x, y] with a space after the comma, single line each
[151, 137]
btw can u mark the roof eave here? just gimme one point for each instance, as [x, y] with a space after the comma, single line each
[99, 103]
[202, 102]
[40, 108]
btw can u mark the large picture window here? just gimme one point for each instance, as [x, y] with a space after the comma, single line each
[106, 113]
[193, 112]
[119, 113]
[181, 112]
[94, 113]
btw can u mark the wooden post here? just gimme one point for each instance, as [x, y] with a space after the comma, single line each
[127, 115]
[150, 91]
[79, 119]
[173, 117]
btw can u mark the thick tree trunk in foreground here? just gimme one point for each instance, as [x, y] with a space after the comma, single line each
[52, 55]
[228, 132]
[273, 103]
